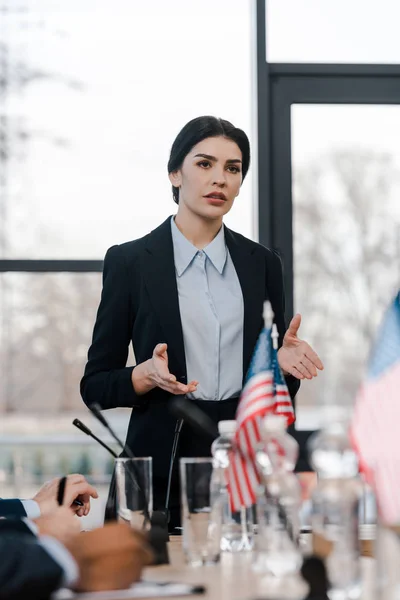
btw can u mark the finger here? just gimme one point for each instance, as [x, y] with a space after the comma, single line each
[296, 373]
[313, 356]
[181, 388]
[84, 490]
[306, 362]
[160, 349]
[294, 325]
[75, 478]
[303, 370]
[86, 507]
[177, 389]
[80, 512]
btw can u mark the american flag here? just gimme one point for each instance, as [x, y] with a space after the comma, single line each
[258, 398]
[376, 418]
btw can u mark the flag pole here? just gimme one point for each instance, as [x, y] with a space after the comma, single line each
[268, 314]
[275, 336]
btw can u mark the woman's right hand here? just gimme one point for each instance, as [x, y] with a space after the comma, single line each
[155, 373]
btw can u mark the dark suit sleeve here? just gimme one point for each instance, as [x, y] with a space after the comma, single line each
[276, 294]
[12, 508]
[26, 570]
[13, 525]
[107, 379]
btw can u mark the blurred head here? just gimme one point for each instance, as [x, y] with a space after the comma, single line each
[208, 162]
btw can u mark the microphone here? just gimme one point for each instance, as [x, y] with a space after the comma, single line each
[96, 411]
[194, 416]
[187, 412]
[82, 427]
[158, 534]
[178, 427]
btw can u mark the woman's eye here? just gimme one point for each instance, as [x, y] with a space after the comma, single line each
[233, 169]
[204, 163]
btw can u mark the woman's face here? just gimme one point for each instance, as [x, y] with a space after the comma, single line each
[210, 177]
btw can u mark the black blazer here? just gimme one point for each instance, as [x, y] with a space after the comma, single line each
[12, 508]
[139, 303]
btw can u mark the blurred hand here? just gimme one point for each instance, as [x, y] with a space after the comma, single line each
[76, 488]
[296, 357]
[109, 558]
[155, 373]
[60, 524]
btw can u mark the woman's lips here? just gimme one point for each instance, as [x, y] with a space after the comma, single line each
[215, 201]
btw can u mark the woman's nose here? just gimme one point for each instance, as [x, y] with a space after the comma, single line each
[219, 178]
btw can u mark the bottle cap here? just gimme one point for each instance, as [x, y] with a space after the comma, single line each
[273, 423]
[227, 427]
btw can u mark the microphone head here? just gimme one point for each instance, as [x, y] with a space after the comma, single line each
[81, 426]
[193, 416]
[96, 411]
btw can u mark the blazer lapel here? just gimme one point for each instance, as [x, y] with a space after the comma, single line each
[160, 280]
[250, 268]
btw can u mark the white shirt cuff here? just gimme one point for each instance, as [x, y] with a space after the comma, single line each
[60, 555]
[31, 508]
[32, 526]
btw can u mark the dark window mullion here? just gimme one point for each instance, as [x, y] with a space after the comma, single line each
[51, 266]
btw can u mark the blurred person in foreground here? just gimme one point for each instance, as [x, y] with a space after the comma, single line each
[39, 557]
[189, 297]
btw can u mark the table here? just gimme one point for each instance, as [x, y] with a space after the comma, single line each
[232, 578]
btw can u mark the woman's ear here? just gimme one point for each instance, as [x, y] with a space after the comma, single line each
[175, 178]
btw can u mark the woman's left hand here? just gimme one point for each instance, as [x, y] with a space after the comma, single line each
[296, 357]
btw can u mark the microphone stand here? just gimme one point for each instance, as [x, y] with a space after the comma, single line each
[175, 443]
[96, 411]
[88, 432]
[157, 535]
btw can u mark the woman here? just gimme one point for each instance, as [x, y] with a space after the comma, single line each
[189, 295]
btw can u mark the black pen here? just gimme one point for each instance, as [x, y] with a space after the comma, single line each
[61, 490]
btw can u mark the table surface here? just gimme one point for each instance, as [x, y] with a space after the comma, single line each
[233, 578]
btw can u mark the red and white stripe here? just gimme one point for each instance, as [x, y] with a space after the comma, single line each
[257, 400]
[283, 403]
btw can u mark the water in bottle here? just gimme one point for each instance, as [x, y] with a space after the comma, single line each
[237, 527]
[336, 507]
[279, 501]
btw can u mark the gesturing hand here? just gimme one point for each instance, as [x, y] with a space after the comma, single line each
[296, 356]
[160, 376]
[155, 373]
